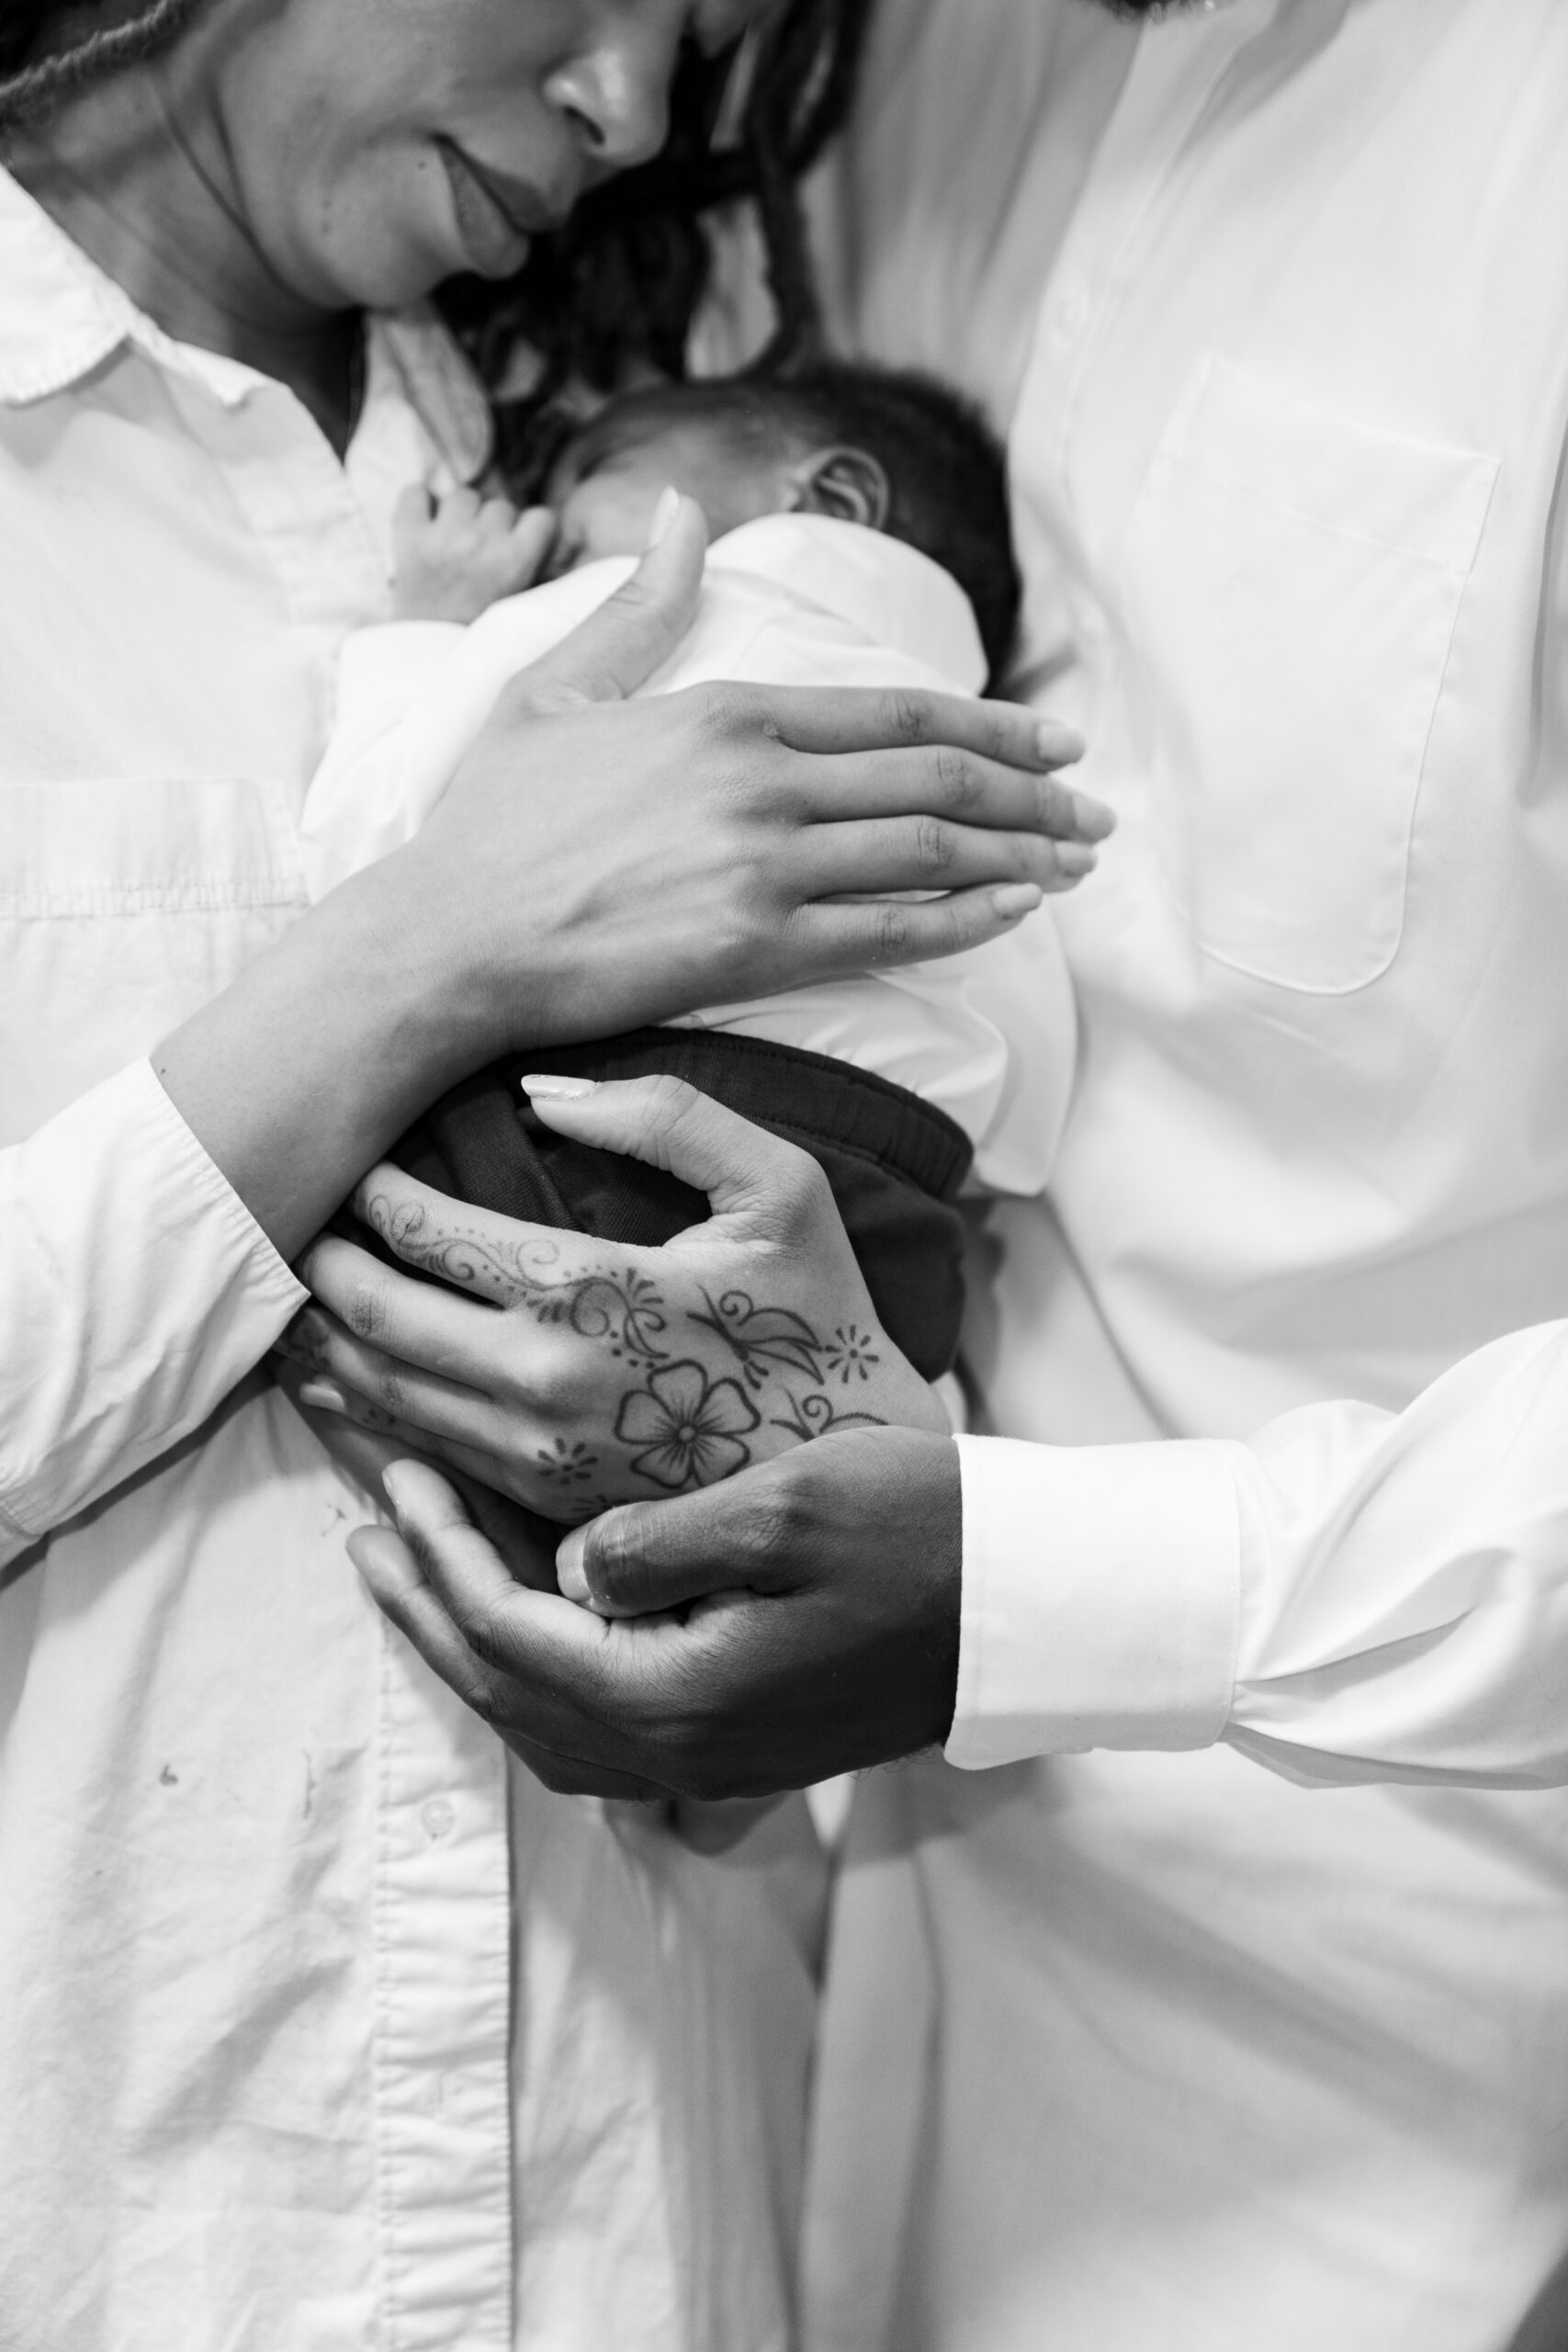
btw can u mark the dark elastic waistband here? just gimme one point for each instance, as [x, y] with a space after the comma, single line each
[789, 1091]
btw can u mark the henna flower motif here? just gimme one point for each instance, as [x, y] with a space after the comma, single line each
[689, 1428]
[572, 1465]
[850, 1351]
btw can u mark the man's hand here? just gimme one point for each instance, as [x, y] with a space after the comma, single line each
[797, 1622]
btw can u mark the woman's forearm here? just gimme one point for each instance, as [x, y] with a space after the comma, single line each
[596, 863]
[137, 1291]
[300, 1073]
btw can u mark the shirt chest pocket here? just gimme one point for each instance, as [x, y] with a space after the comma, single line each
[1291, 580]
[124, 904]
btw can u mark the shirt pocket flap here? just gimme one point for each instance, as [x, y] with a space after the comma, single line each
[145, 845]
[125, 905]
[1290, 579]
[1333, 471]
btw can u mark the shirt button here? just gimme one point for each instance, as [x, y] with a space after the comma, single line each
[1070, 318]
[437, 1817]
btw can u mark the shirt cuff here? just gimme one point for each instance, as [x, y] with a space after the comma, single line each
[1101, 1598]
[140, 1291]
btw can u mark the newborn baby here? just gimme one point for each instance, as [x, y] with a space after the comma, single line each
[860, 536]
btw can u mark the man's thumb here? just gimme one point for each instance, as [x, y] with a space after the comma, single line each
[611, 653]
[645, 1557]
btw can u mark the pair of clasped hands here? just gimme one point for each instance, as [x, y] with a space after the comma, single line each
[752, 1582]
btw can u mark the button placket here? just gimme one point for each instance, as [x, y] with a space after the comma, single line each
[1169, 90]
[443, 2115]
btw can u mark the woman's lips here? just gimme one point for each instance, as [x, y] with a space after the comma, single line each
[495, 242]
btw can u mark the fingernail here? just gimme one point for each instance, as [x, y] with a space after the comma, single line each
[394, 1485]
[570, 1573]
[665, 514]
[1016, 899]
[544, 1087]
[1093, 817]
[324, 1395]
[1075, 858]
[1057, 745]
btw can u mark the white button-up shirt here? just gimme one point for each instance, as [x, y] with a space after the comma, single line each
[1220, 2061]
[278, 2062]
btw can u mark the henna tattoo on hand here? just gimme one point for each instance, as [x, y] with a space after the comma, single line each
[813, 1416]
[850, 1351]
[691, 1429]
[764, 1339]
[680, 1426]
[622, 1307]
[569, 1464]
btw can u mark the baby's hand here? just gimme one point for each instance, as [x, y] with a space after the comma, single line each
[454, 557]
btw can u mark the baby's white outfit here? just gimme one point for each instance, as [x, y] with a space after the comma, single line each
[797, 600]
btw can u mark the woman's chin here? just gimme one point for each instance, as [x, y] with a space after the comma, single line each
[388, 276]
[379, 259]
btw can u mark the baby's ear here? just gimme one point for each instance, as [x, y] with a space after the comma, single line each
[848, 484]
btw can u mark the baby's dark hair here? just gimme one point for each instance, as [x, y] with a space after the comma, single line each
[945, 468]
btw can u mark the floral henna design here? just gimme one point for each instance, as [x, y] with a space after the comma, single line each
[814, 1416]
[691, 1429]
[850, 1351]
[567, 1464]
[771, 1342]
[687, 1430]
[765, 1339]
[574, 1511]
[624, 1308]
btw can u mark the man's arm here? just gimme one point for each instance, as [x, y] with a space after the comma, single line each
[1354, 1595]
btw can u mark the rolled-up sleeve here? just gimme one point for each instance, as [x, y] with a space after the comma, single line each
[1352, 1595]
[137, 1290]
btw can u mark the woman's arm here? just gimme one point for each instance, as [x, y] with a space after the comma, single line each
[597, 864]
[135, 1290]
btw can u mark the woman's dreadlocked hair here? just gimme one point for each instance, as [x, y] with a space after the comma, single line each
[29, 88]
[614, 293]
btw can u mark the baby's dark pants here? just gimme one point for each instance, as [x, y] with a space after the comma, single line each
[894, 1162]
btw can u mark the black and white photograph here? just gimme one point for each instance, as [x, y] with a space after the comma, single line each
[783, 1176]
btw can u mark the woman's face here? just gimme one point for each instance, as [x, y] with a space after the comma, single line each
[376, 147]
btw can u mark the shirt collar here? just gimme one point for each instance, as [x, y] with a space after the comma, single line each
[892, 592]
[60, 316]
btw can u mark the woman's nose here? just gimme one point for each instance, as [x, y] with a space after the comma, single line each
[616, 94]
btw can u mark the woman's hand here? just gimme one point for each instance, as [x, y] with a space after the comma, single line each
[617, 862]
[610, 1375]
[596, 863]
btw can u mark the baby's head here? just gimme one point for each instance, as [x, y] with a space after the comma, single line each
[897, 452]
